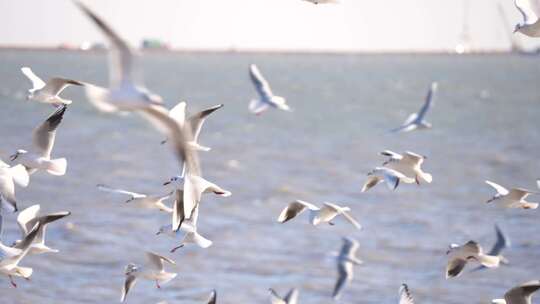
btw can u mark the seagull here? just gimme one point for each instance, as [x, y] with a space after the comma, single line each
[9, 262]
[153, 271]
[266, 97]
[196, 121]
[409, 164]
[515, 198]
[345, 263]
[124, 95]
[531, 23]
[458, 256]
[322, 1]
[383, 174]
[193, 188]
[520, 294]
[28, 219]
[148, 201]
[39, 157]
[290, 298]
[416, 121]
[48, 92]
[181, 226]
[213, 297]
[405, 296]
[502, 243]
[317, 215]
[8, 177]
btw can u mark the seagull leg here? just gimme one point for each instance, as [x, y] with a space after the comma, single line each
[157, 284]
[12, 282]
[417, 180]
[177, 247]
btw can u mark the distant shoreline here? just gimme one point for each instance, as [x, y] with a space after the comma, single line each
[267, 51]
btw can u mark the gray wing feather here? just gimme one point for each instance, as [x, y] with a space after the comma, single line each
[43, 136]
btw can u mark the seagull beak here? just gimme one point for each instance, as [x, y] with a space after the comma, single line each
[489, 200]
[158, 233]
[166, 183]
[14, 156]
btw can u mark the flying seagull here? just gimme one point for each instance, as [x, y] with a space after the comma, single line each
[39, 157]
[317, 215]
[266, 97]
[153, 270]
[458, 256]
[416, 121]
[501, 243]
[149, 201]
[515, 198]
[409, 164]
[405, 296]
[391, 177]
[9, 176]
[28, 219]
[345, 264]
[530, 26]
[290, 298]
[196, 121]
[48, 92]
[520, 294]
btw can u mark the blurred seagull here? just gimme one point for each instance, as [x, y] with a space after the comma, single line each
[458, 256]
[148, 201]
[39, 158]
[409, 164]
[212, 298]
[405, 296]
[345, 263]
[416, 121]
[48, 92]
[266, 97]
[124, 95]
[383, 174]
[9, 262]
[502, 243]
[196, 121]
[515, 198]
[317, 215]
[531, 23]
[290, 298]
[521, 294]
[153, 270]
[185, 228]
[8, 177]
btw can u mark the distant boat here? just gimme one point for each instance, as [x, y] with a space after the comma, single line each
[464, 46]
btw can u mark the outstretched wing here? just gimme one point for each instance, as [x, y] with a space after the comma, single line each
[429, 101]
[43, 136]
[197, 120]
[56, 85]
[106, 188]
[294, 209]
[261, 85]
[405, 296]
[500, 189]
[37, 83]
[156, 261]
[128, 284]
[525, 8]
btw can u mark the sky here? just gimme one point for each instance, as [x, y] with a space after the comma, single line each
[352, 25]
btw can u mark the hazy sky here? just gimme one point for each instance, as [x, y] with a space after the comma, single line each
[275, 24]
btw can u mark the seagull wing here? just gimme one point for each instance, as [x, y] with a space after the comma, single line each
[275, 298]
[56, 85]
[128, 284]
[522, 294]
[294, 209]
[156, 261]
[351, 220]
[501, 243]
[27, 219]
[345, 275]
[37, 83]
[392, 155]
[178, 210]
[292, 296]
[196, 121]
[212, 298]
[519, 193]
[178, 113]
[106, 188]
[455, 267]
[525, 8]
[500, 189]
[121, 55]
[43, 136]
[25, 246]
[429, 101]
[261, 85]
[405, 296]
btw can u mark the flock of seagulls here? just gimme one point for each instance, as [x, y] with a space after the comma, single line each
[181, 133]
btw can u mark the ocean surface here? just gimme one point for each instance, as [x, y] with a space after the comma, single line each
[486, 126]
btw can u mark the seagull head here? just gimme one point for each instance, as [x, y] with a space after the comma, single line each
[451, 248]
[162, 229]
[517, 28]
[131, 268]
[17, 154]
